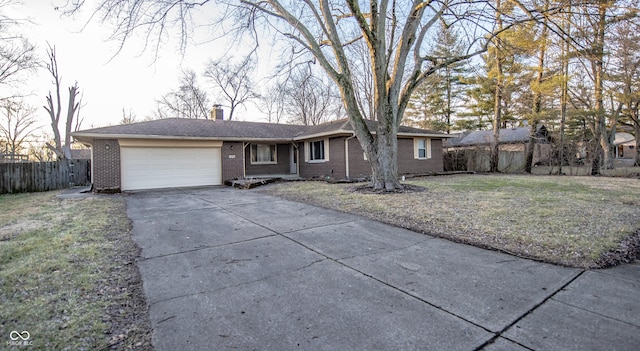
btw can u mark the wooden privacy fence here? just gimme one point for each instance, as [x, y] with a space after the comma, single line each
[478, 160]
[25, 177]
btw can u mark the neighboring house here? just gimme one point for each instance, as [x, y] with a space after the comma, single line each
[625, 146]
[509, 136]
[80, 154]
[512, 140]
[195, 152]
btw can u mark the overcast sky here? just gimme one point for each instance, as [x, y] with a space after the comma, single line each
[131, 79]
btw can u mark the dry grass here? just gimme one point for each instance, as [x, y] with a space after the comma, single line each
[67, 274]
[574, 221]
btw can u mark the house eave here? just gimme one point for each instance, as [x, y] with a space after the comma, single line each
[333, 133]
[425, 135]
[89, 137]
[344, 132]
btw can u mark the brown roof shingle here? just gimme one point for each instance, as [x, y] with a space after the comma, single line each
[199, 128]
[229, 130]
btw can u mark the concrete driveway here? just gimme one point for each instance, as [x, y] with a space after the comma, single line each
[227, 269]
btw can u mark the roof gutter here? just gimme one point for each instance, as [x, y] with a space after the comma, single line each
[88, 137]
[346, 155]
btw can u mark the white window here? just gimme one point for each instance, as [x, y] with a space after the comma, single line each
[317, 151]
[263, 154]
[422, 148]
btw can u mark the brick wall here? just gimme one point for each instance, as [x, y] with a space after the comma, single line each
[334, 168]
[283, 153]
[407, 164]
[232, 167]
[358, 166]
[106, 165]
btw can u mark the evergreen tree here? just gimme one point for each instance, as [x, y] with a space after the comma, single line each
[434, 104]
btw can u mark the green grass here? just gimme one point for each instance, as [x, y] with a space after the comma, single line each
[56, 257]
[574, 221]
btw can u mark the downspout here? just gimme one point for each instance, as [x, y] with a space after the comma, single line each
[92, 164]
[244, 162]
[297, 151]
[346, 155]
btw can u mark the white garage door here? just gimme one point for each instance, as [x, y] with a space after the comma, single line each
[158, 167]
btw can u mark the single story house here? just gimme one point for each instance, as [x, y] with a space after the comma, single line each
[470, 151]
[625, 144]
[179, 152]
[508, 136]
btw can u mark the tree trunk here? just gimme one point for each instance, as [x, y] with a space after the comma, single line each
[637, 134]
[601, 125]
[385, 172]
[537, 98]
[497, 117]
[495, 144]
[607, 150]
[564, 98]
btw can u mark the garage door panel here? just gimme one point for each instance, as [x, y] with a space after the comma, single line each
[150, 168]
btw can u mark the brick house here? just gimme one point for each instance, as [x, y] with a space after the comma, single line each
[180, 152]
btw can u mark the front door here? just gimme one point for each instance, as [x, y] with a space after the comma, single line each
[293, 156]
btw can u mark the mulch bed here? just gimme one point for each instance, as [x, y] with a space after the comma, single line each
[406, 189]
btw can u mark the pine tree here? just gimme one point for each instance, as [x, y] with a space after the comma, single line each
[434, 104]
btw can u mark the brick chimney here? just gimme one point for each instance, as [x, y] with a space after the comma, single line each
[217, 114]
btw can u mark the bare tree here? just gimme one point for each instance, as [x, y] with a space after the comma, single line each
[61, 147]
[17, 54]
[128, 117]
[626, 77]
[394, 32]
[18, 123]
[593, 25]
[188, 101]
[542, 42]
[38, 149]
[232, 82]
[309, 99]
[272, 102]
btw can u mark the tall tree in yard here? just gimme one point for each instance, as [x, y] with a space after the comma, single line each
[188, 101]
[17, 54]
[593, 28]
[232, 82]
[62, 142]
[498, 55]
[537, 87]
[16, 125]
[433, 104]
[395, 33]
[310, 100]
[626, 76]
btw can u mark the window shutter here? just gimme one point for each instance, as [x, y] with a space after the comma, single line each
[326, 149]
[428, 142]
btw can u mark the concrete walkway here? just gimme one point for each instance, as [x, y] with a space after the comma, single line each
[228, 269]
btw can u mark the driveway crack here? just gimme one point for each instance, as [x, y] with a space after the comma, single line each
[527, 313]
[203, 247]
[596, 313]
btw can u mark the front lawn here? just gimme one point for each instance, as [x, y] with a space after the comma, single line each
[68, 275]
[587, 222]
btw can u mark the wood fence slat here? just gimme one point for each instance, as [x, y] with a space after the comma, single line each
[43, 176]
